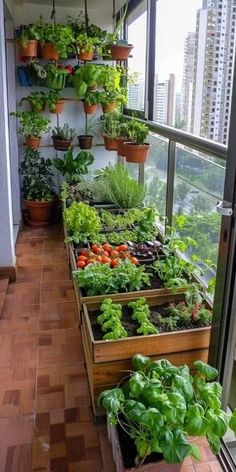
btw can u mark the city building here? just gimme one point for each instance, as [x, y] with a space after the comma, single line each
[213, 66]
[136, 95]
[187, 84]
[164, 101]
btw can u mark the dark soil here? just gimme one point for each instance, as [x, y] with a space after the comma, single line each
[129, 451]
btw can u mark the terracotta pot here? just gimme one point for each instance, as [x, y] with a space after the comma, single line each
[110, 143]
[38, 110]
[32, 142]
[85, 141]
[120, 145]
[137, 153]
[48, 51]
[30, 50]
[90, 109]
[61, 144]
[59, 107]
[120, 52]
[109, 107]
[86, 56]
[40, 213]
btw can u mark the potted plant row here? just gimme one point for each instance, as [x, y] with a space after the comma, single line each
[160, 413]
[39, 100]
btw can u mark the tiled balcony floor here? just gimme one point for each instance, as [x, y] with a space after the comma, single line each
[45, 418]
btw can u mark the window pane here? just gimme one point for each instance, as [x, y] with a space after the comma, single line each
[137, 36]
[156, 173]
[195, 44]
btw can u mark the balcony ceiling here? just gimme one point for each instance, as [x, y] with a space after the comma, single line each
[75, 3]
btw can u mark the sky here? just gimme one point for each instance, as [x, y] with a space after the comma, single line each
[175, 18]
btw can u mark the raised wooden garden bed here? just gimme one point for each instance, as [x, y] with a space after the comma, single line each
[107, 361]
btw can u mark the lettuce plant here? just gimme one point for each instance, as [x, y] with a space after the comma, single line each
[81, 222]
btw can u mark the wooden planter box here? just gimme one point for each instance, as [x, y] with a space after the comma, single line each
[107, 361]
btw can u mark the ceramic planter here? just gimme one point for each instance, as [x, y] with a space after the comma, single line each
[137, 153]
[32, 142]
[120, 52]
[31, 50]
[106, 361]
[86, 56]
[61, 144]
[109, 107]
[110, 143]
[48, 51]
[59, 107]
[120, 146]
[90, 109]
[85, 141]
[40, 213]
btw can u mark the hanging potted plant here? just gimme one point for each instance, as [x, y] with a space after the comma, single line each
[156, 415]
[85, 79]
[122, 138]
[37, 188]
[37, 101]
[111, 131]
[56, 41]
[63, 137]
[32, 125]
[86, 46]
[137, 149]
[90, 102]
[120, 49]
[55, 102]
[28, 42]
[56, 77]
[86, 140]
[108, 101]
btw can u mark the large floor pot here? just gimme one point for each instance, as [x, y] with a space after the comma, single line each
[30, 50]
[48, 51]
[40, 213]
[120, 52]
[137, 153]
[110, 143]
[85, 141]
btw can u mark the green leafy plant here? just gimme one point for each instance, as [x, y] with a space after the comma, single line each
[92, 98]
[61, 36]
[79, 26]
[121, 189]
[111, 124]
[110, 320]
[98, 279]
[56, 77]
[174, 271]
[52, 99]
[82, 223]
[76, 192]
[86, 43]
[161, 405]
[110, 78]
[65, 133]
[37, 177]
[28, 33]
[74, 167]
[37, 100]
[85, 78]
[137, 131]
[141, 313]
[31, 123]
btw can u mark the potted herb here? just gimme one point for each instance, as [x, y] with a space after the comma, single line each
[37, 188]
[90, 102]
[137, 149]
[122, 138]
[86, 46]
[108, 101]
[55, 102]
[37, 101]
[74, 167]
[111, 130]
[86, 140]
[32, 125]
[86, 78]
[28, 42]
[55, 41]
[56, 76]
[63, 137]
[120, 49]
[159, 408]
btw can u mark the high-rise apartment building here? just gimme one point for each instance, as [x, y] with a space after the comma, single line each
[136, 95]
[213, 66]
[187, 84]
[164, 101]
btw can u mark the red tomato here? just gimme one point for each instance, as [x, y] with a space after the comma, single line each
[90, 261]
[122, 248]
[105, 253]
[107, 247]
[84, 252]
[114, 254]
[95, 248]
[99, 258]
[82, 258]
[106, 260]
[81, 264]
[134, 260]
[115, 262]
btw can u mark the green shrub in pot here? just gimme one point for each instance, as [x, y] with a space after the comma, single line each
[32, 125]
[85, 78]
[161, 406]
[137, 149]
[37, 101]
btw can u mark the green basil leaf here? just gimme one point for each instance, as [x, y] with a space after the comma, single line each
[140, 362]
[134, 410]
[184, 386]
[196, 454]
[232, 422]
[176, 450]
[214, 442]
[196, 424]
[207, 371]
[218, 422]
[143, 447]
[137, 384]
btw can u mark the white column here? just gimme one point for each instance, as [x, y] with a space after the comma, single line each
[7, 249]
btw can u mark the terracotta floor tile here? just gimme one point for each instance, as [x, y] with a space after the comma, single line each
[13, 326]
[34, 247]
[29, 273]
[213, 466]
[19, 312]
[62, 291]
[54, 272]
[19, 458]
[61, 347]
[15, 431]
[54, 255]
[23, 293]
[58, 316]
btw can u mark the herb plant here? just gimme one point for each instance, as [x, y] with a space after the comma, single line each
[99, 279]
[31, 123]
[52, 99]
[74, 167]
[37, 100]
[137, 131]
[85, 78]
[174, 272]
[37, 177]
[81, 222]
[86, 43]
[141, 313]
[56, 76]
[110, 320]
[65, 133]
[162, 405]
[92, 98]
[61, 36]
